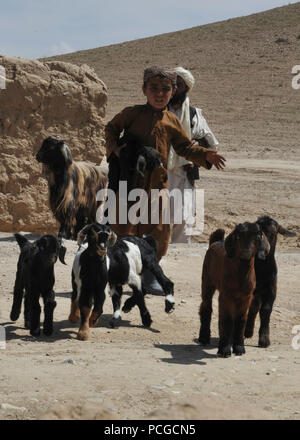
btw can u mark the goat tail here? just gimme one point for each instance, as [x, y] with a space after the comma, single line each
[21, 240]
[150, 240]
[217, 235]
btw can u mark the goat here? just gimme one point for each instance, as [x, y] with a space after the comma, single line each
[133, 157]
[90, 276]
[35, 275]
[229, 267]
[266, 282]
[73, 187]
[126, 261]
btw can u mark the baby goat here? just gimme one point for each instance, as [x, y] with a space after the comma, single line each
[123, 263]
[229, 267]
[35, 275]
[266, 282]
[135, 159]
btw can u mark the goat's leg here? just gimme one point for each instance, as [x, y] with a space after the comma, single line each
[239, 329]
[140, 301]
[26, 310]
[129, 304]
[116, 294]
[253, 310]
[74, 312]
[18, 295]
[225, 326]
[35, 313]
[265, 314]
[49, 306]
[205, 312]
[98, 307]
[166, 284]
[85, 306]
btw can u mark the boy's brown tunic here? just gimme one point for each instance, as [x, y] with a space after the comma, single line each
[158, 129]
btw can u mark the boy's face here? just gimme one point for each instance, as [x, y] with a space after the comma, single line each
[158, 92]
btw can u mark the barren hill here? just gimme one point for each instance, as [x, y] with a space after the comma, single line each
[242, 68]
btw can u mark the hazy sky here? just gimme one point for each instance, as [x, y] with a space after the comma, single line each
[38, 28]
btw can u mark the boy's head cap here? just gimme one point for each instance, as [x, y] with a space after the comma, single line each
[186, 76]
[163, 72]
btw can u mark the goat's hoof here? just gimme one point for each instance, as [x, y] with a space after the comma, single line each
[35, 332]
[14, 315]
[115, 322]
[127, 307]
[146, 320]
[83, 335]
[169, 307]
[238, 350]
[248, 333]
[224, 352]
[94, 319]
[47, 331]
[264, 341]
[204, 339]
[73, 318]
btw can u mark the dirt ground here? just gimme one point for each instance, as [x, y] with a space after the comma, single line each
[162, 373]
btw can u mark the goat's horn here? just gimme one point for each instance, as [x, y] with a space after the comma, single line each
[286, 232]
[81, 234]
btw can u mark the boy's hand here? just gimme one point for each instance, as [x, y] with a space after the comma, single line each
[118, 149]
[215, 159]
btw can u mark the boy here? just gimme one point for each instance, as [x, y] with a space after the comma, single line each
[153, 125]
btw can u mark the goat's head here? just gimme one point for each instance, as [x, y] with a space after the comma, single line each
[271, 228]
[148, 159]
[246, 241]
[54, 153]
[99, 238]
[50, 248]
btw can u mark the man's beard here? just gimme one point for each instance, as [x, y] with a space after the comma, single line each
[178, 98]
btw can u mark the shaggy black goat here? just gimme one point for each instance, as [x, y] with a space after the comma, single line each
[35, 275]
[125, 263]
[266, 282]
[73, 187]
[133, 157]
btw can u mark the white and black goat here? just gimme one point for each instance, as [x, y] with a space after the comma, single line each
[73, 187]
[35, 277]
[98, 262]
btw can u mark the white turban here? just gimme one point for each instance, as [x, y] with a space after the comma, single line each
[186, 76]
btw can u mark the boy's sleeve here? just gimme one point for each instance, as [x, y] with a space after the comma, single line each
[184, 147]
[113, 130]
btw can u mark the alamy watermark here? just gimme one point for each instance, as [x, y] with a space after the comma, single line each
[296, 78]
[2, 338]
[158, 207]
[2, 78]
[296, 339]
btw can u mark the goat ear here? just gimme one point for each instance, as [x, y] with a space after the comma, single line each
[66, 154]
[263, 248]
[62, 251]
[229, 244]
[286, 232]
[112, 239]
[82, 234]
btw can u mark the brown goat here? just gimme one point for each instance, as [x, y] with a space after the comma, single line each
[229, 267]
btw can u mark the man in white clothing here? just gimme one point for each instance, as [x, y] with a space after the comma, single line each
[181, 173]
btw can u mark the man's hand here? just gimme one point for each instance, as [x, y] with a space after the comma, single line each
[215, 159]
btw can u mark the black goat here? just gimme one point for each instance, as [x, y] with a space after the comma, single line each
[125, 263]
[35, 275]
[73, 187]
[133, 158]
[266, 282]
